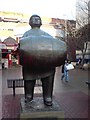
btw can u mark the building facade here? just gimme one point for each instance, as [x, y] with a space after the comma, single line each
[15, 24]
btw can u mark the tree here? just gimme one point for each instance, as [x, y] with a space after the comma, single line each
[71, 43]
[82, 34]
[82, 13]
[82, 40]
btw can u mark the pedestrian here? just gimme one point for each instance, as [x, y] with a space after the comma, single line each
[65, 71]
[78, 63]
[62, 71]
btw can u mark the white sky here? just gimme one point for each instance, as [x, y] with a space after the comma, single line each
[50, 8]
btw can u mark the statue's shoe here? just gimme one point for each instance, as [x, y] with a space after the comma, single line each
[48, 101]
[29, 98]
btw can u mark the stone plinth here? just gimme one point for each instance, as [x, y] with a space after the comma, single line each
[37, 109]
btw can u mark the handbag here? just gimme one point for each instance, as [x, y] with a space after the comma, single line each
[70, 67]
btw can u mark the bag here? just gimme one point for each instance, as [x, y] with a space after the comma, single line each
[70, 67]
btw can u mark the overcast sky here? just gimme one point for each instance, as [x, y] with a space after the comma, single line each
[50, 8]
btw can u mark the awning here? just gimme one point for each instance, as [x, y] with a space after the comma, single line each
[10, 41]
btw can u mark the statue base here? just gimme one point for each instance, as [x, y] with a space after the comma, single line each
[37, 109]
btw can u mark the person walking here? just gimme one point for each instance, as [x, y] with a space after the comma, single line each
[65, 71]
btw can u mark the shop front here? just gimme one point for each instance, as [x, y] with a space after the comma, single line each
[8, 46]
[3, 54]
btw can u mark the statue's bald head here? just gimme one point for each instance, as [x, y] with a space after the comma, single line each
[35, 21]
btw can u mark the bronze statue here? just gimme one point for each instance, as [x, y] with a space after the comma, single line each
[40, 54]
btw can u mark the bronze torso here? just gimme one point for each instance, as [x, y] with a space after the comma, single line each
[40, 53]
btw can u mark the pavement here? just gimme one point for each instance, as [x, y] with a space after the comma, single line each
[73, 97]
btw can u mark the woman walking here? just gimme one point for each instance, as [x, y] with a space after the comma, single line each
[65, 71]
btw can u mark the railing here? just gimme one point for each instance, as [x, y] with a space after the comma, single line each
[17, 83]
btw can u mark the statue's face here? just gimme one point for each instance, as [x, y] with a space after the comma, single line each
[35, 20]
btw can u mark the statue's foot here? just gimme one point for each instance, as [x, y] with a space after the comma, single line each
[28, 99]
[48, 101]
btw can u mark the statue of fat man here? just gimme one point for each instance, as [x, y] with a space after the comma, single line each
[40, 54]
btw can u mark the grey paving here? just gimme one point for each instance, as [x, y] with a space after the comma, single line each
[72, 96]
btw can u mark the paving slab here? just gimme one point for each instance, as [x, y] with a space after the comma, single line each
[73, 96]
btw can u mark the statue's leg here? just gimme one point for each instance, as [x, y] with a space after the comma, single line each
[29, 89]
[47, 85]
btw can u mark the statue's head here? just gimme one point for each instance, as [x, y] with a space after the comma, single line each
[35, 21]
